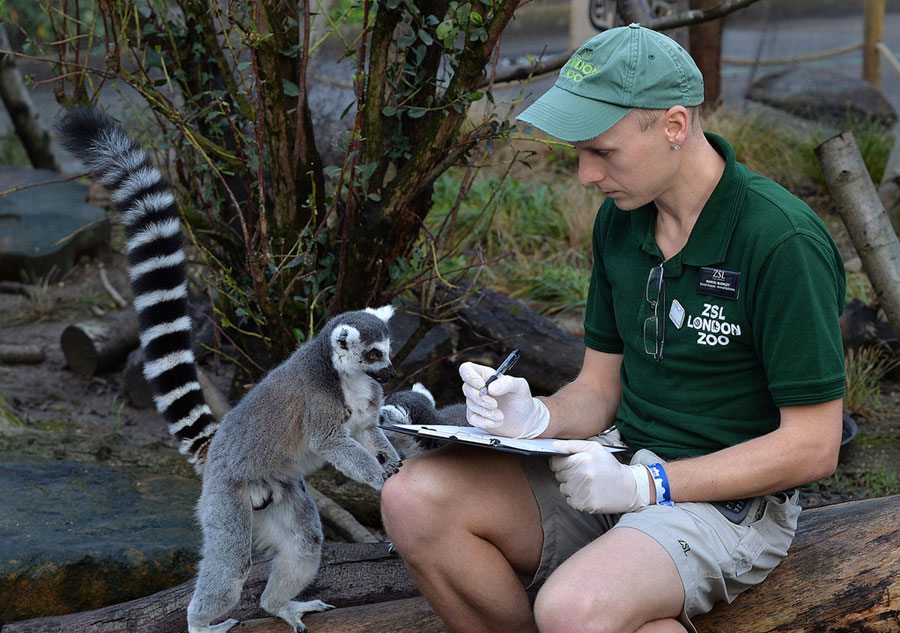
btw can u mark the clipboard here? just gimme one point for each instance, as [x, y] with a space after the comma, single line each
[473, 436]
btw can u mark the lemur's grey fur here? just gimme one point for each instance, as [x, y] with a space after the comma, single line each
[416, 406]
[320, 405]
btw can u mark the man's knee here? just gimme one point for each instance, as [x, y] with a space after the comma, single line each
[410, 500]
[559, 609]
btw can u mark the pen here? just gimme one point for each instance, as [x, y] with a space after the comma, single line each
[504, 367]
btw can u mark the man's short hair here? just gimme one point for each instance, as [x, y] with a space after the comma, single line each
[646, 118]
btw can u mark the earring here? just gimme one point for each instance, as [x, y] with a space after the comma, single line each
[676, 147]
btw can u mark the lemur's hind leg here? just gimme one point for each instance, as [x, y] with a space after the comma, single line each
[292, 530]
[225, 514]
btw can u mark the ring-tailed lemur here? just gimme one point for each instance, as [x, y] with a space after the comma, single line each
[416, 406]
[320, 405]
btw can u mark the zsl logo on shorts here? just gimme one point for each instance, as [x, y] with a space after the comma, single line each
[577, 69]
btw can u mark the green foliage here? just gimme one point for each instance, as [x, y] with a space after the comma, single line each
[865, 484]
[8, 414]
[875, 142]
[531, 232]
[859, 287]
[786, 153]
[12, 154]
[289, 232]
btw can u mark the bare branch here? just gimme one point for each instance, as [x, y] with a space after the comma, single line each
[685, 18]
[695, 16]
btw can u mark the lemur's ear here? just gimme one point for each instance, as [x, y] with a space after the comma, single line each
[420, 388]
[384, 312]
[344, 336]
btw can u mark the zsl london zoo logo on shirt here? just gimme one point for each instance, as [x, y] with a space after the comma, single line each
[712, 327]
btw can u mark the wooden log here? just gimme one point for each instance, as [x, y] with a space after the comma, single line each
[863, 214]
[842, 574]
[350, 574]
[340, 520]
[21, 354]
[100, 344]
[136, 387]
[409, 615]
[14, 288]
[550, 356]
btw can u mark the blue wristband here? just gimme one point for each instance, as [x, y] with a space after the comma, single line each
[663, 494]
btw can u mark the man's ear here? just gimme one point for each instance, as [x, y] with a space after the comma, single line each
[677, 125]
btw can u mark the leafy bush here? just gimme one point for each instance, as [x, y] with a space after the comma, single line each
[291, 232]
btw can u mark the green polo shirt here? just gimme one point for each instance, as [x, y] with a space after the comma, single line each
[751, 307]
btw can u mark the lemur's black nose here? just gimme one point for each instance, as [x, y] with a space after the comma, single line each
[383, 375]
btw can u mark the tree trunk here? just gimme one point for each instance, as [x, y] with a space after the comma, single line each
[841, 574]
[865, 219]
[706, 48]
[410, 615]
[15, 354]
[99, 345]
[31, 132]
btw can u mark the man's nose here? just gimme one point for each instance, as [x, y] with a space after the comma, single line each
[589, 172]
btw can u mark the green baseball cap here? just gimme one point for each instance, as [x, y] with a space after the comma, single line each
[620, 69]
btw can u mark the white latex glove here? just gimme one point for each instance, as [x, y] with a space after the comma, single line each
[594, 481]
[508, 408]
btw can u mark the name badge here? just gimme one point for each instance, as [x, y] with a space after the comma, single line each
[717, 282]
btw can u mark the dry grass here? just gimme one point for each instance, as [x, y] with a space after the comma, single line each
[866, 367]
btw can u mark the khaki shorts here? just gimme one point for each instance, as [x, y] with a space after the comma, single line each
[717, 559]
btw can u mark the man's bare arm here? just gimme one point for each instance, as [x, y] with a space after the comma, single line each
[803, 449]
[588, 404]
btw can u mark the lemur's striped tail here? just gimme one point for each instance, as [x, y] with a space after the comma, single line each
[144, 199]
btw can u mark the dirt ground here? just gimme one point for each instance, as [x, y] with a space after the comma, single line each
[48, 394]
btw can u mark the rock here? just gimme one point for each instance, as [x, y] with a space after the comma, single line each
[861, 326]
[78, 535]
[46, 228]
[823, 95]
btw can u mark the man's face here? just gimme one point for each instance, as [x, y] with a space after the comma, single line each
[631, 166]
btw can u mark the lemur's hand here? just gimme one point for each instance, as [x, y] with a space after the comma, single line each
[391, 464]
[508, 408]
[392, 414]
[594, 481]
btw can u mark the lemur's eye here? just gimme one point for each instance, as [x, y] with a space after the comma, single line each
[372, 355]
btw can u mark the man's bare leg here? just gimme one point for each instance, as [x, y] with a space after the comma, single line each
[465, 520]
[623, 582]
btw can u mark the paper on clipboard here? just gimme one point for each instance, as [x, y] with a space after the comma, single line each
[474, 436]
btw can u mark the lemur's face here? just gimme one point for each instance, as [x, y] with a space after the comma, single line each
[377, 362]
[362, 344]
